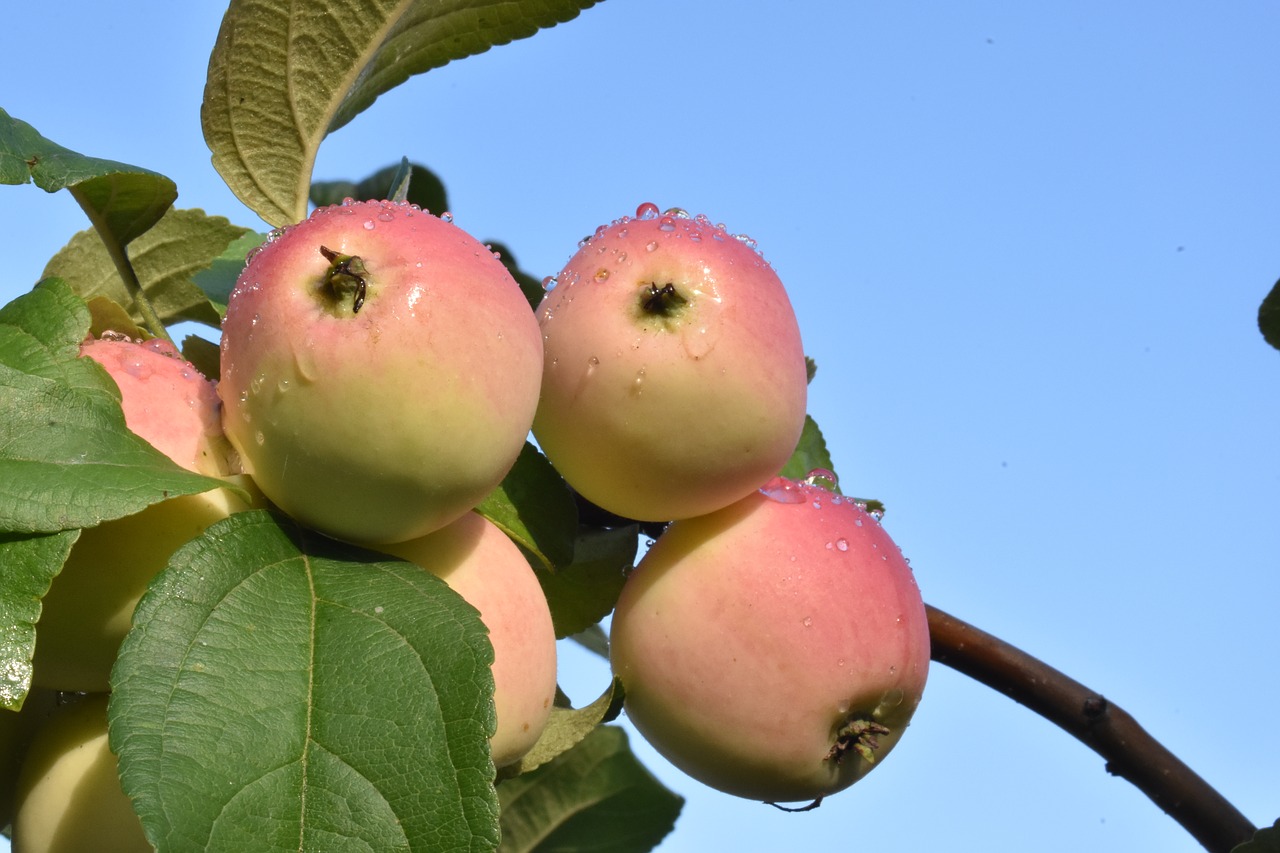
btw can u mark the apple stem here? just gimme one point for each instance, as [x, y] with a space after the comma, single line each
[346, 275]
[1130, 752]
[663, 300]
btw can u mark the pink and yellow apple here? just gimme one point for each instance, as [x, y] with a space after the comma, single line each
[380, 371]
[775, 649]
[674, 380]
[483, 565]
[89, 606]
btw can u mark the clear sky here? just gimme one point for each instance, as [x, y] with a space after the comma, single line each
[1026, 244]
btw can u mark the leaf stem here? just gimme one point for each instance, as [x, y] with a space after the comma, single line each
[1130, 751]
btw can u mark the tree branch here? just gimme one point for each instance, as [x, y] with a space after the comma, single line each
[1130, 752]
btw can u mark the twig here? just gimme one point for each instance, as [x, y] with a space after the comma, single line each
[1130, 752]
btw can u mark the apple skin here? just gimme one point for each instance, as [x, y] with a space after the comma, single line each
[746, 638]
[166, 401]
[483, 565]
[385, 424]
[89, 606]
[69, 796]
[663, 416]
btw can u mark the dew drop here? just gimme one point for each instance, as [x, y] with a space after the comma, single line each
[677, 212]
[782, 490]
[842, 545]
[446, 216]
[549, 283]
[817, 474]
[666, 224]
[808, 622]
[368, 225]
[602, 275]
[260, 438]
[651, 245]
[648, 210]
[386, 216]
[592, 364]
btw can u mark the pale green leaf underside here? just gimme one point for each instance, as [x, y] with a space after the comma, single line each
[285, 73]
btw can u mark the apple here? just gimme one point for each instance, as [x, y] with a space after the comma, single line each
[674, 380]
[17, 728]
[69, 795]
[89, 606]
[775, 649]
[380, 371]
[483, 565]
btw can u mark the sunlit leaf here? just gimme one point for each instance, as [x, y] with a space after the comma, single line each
[566, 728]
[30, 563]
[283, 75]
[67, 460]
[281, 691]
[810, 454]
[594, 798]
[166, 259]
[122, 201]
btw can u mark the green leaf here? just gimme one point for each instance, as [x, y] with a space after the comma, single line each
[811, 453]
[426, 190]
[121, 201]
[534, 507]
[1265, 840]
[219, 278]
[282, 691]
[282, 77]
[566, 728]
[30, 563]
[596, 797]
[585, 591]
[1269, 317]
[67, 460]
[166, 260]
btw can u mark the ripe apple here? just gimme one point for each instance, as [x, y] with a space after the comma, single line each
[89, 606]
[17, 728]
[674, 380]
[483, 565]
[69, 795]
[380, 371]
[775, 649]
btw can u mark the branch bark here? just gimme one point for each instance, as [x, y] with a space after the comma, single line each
[1130, 752]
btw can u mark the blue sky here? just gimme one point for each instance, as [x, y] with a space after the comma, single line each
[1026, 246]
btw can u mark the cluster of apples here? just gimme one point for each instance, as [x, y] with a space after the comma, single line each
[380, 374]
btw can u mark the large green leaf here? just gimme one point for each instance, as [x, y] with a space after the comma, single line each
[281, 691]
[167, 260]
[284, 74]
[566, 728]
[594, 798]
[30, 563]
[67, 460]
[121, 201]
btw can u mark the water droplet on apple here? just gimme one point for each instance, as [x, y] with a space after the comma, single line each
[282, 385]
[386, 216]
[816, 474]
[648, 210]
[808, 622]
[677, 212]
[549, 283]
[447, 216]
[651, 245]
[842, 545]
[260, 438]
[602, 275]
[368, 225]
[256, 385]
[637, 386]
[782, 490]
[592, 364]
[666, 224]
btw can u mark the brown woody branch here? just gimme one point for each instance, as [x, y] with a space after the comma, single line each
[1130, 752]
